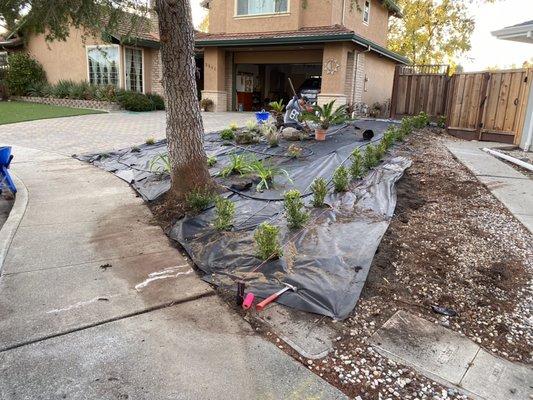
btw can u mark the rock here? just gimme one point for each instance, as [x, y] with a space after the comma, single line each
[291, 134]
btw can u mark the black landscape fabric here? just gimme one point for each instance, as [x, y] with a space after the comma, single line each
[328, 260]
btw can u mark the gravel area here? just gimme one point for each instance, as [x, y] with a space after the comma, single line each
[450, 244]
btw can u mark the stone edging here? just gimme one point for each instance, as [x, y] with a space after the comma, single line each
[95, 104]
[13, 220]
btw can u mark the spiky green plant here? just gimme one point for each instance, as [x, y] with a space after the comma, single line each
[233, 126]
[267, 241]
[211, 161]
[340, 179]
[356, 169]
[160, 164]
[150, 140]
[225, 211]
[277, 106]
[295, 209]
[238, 164]
[271, 134]
[325, 115]
[320, 190]
[266, 174]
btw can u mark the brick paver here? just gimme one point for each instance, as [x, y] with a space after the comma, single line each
[101, 132]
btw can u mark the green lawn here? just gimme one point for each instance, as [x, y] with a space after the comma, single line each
[15, 111]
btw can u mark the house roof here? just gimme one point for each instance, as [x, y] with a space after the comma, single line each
[522, 32]
[320, 34]
[135, 30]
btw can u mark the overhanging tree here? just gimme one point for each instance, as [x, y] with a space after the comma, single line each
[184, 123]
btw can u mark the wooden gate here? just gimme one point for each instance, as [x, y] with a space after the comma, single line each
[419, 88]
[488, 105]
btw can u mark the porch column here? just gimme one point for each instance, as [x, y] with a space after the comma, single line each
[334, 66]
[214, 78]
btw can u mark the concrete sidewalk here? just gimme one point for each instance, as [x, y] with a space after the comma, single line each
[513, 189]
[95, 302]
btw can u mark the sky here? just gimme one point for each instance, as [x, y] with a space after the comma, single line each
[487, 51]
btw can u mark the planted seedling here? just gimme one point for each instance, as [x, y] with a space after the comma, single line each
[160, 164]
[381, 149]
[252, 126]
[233, 126]
[267, 242]
[135, 149]
[340, 179]
[389, 136]
[211, 161]
[320, 190]
[441, 121]
[150, 140]
[198, 200]
[227, 134]
[294, 151]
[370, 158]
[266, 174]
[225, 211]
[295, 210]
[271, 134]
[356, 169]
[239, 164]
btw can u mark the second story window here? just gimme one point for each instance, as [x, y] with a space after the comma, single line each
[258, 7]
[366, 12]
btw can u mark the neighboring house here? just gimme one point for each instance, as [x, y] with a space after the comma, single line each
[128, 58]
[522, 33]
[254, 46]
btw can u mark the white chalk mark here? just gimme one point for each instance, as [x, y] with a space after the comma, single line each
[81, 304]
[170, 272]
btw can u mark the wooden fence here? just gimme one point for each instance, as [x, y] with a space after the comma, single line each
[488, 105]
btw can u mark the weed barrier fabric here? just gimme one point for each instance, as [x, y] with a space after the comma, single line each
[328, 260]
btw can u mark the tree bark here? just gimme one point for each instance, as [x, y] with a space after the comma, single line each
[185, 131]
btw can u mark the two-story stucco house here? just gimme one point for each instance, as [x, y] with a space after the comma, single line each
[254, 46]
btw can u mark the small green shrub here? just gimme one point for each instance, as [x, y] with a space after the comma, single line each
[251, 125]
[211, 161]
[78, 90]
[320, 190]
[61, 90]
[340, 179]
[22, 72]
[267, 242]
[370, 158]
[227, 134]
[421, 120]
[233, 126]
[265, 173]
[206, 104]
[39, 89]
[160, 164]
[356, 169]
[238, 164]
[225, 211]
[295, 209]
[132, 101]
[381, 149]
[110, 93]
[441, 121]
[389, 137]
[157, 101]
[150, 140]
[198, 200]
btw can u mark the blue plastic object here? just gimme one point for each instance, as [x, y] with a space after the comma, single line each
[262, 116]
[5, 160]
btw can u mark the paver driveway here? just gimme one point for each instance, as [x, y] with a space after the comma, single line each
[101, 132]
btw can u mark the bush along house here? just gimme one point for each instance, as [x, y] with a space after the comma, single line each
[331, 50]
[127, 58]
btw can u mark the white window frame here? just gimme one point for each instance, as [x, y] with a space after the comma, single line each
[281, 13]
[103, 46]
[142, 66]
[367, 21]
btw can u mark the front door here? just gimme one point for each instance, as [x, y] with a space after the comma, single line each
[133, 66]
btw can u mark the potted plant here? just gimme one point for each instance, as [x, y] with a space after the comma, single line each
[324, 117]
[276, 109]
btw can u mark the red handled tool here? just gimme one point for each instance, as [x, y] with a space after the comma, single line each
[271, 298]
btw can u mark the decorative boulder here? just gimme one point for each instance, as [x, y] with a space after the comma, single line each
[291, 134]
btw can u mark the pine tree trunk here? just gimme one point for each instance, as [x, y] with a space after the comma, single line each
[184, 123]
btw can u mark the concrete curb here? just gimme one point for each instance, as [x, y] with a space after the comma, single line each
[13, 221]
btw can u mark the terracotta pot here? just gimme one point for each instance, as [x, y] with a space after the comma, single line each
[320, 134]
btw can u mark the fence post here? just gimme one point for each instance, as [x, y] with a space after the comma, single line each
[483, 104]
[394, 99]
